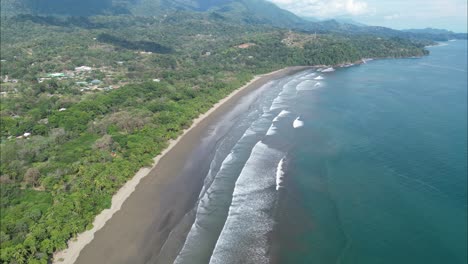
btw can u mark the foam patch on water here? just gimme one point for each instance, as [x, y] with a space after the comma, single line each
[329, 70]
[283, 113]
[209, 207]
[273, 130]
[308, 85]
[249, 132]
[215, 199]
[319, 78]
[244, 238]
[280, 174]
[298, 123]
[287, 93]
[308, 76]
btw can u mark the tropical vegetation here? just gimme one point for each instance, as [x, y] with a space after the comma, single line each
[71, 136]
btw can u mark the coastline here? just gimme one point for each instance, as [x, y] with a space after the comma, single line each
[75, 246]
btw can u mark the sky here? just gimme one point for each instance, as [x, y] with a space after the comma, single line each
[398, 14]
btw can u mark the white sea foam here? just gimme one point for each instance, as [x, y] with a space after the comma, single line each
[298, 123]
[244, 238]
[215, 199]
[281, 100]
[207, 209]
[280, 174]
[319, 78]
[249, 132]
[272, 130]
[288, 92]
[283, 113]
[308, 76]
[329, 70]
[308, 85]
[278, 103]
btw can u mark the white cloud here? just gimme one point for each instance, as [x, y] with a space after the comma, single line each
[324, 8]
[449, 14]
[391, 17]
[356, 8]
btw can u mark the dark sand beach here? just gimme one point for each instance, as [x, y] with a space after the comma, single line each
[165, 197]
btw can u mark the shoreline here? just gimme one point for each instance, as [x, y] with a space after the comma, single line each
[75, 246]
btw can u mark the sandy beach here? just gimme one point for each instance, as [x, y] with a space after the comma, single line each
[147, 208]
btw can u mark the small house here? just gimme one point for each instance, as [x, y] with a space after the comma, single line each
[246, 45]
[83, 69]
[81, 83]
[56, 75]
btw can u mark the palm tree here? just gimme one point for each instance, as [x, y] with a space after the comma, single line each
[20, 254]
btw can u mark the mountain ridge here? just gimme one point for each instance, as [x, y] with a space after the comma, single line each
[237, 11]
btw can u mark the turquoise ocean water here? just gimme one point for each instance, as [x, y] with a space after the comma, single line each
[364, 165]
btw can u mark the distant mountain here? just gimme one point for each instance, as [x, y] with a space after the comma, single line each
[272, 14]
[342, 20]
[59, 7]
[429, 31]
[311, 19]
[346, 20]
[236, 11]
[250, 11]
[441, 32]
[340, 27]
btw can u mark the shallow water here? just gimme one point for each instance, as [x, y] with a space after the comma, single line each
[364, 165]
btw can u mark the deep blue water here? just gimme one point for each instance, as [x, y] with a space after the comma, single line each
[373, 171]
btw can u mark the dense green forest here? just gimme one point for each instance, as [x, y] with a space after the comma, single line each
[245, 12]
[70, 140]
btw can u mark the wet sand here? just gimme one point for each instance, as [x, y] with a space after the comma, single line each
[139, 224]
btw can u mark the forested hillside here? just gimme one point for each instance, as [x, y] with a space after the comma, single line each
[250, 11]
[246, 12]
[87, 101]
[442, 33]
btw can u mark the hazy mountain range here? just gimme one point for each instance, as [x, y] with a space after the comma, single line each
[239, 11]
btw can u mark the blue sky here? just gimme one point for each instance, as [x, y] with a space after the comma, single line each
[399, 14]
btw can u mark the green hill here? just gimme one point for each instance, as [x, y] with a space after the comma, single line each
[252, 12]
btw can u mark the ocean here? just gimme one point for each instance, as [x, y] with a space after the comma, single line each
[362, 165]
